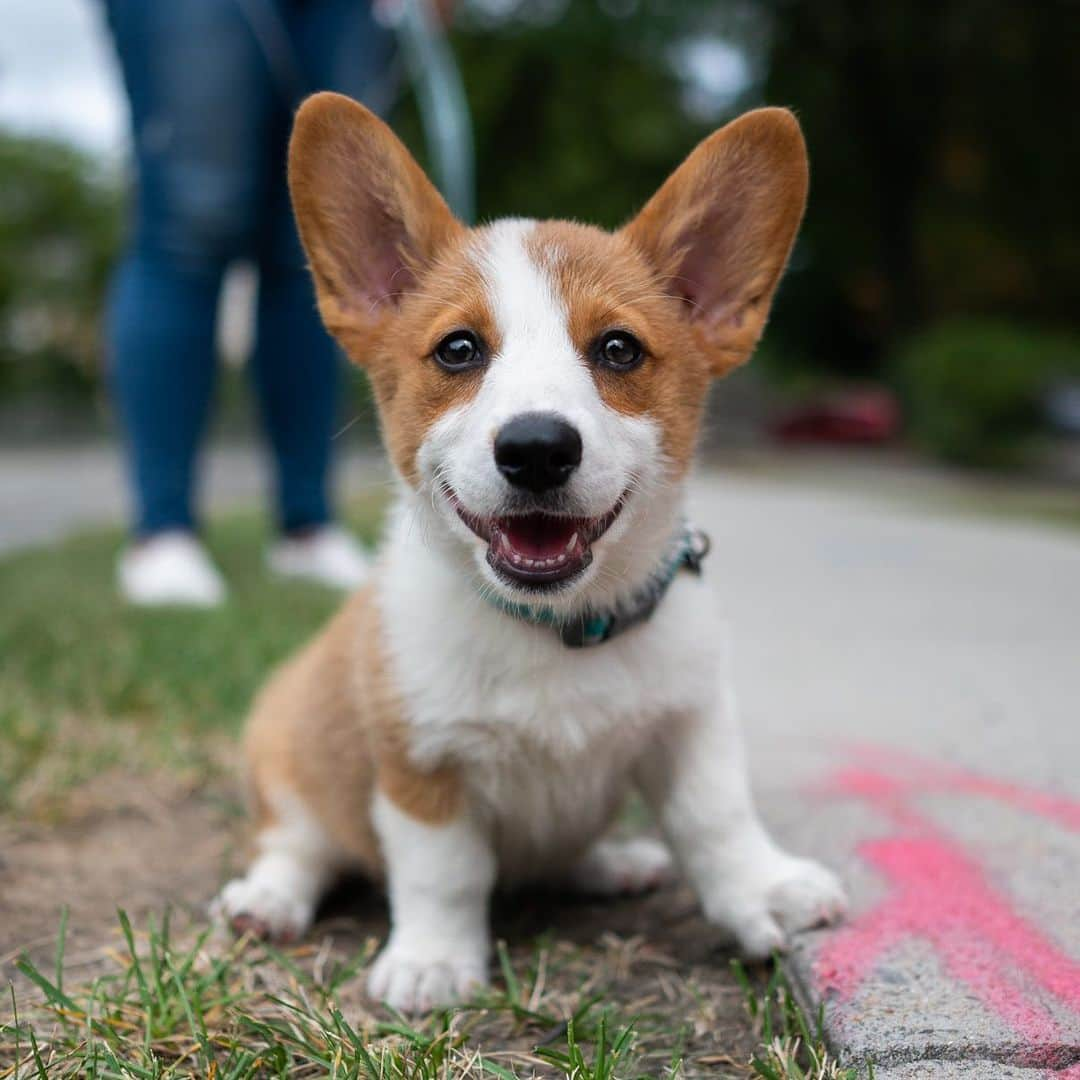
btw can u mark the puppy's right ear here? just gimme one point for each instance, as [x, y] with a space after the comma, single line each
[368, 217]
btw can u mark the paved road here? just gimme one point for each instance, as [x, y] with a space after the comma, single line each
[910, 684]
[45, 494]
[911, 692]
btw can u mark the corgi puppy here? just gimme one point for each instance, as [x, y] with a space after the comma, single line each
[534, 642]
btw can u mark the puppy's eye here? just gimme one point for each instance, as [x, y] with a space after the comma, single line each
[619, 350]
[459, 351]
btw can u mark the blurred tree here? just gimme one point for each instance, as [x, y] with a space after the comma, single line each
[59, 231]
[578, 108]
[943, 178]
[944, 167]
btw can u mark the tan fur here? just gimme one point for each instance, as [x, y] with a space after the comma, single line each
[328, 728]
[411, 390]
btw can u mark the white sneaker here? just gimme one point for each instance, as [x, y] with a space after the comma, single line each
[328, 556]
[169, 568]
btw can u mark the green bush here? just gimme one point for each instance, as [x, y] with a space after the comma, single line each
[60, 223]
[972, 387]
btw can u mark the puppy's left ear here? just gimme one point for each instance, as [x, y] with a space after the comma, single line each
[720, 229]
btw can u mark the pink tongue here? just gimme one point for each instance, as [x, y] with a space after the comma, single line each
[539, 536]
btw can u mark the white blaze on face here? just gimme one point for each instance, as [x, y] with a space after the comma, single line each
[537, 369]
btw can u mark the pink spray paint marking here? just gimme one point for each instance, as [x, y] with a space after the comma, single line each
[941, 895]
[914, 774]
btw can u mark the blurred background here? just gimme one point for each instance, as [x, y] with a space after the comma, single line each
[933, 301]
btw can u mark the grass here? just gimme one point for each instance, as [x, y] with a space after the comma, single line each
[165, 1008]
[94, 695]
[791, 1049]
[88, 684]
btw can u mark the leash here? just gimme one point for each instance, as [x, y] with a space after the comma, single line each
[433, 71]
[594, 628]
[440, 95]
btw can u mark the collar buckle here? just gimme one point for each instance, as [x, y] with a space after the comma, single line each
[698, 546]
[588, 630]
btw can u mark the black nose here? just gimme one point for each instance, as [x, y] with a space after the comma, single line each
[537, 451]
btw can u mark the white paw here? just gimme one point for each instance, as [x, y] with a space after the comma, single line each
[267, 911]
[624, 867]
[770, 904]
[415, 979]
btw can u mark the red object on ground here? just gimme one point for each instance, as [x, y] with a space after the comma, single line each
[867, 417]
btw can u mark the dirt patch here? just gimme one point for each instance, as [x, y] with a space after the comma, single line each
[144, 856]
[652, 958]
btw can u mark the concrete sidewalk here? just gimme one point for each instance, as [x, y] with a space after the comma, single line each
[910, 686]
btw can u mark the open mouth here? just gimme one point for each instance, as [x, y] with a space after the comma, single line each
[538, 549]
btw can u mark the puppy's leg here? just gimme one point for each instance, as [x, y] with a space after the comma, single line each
[297, 862]
[623, 867]
[439, 880]
[697, 784]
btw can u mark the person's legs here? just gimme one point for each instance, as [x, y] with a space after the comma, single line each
[296, 365]
[342, 48]
[161, 332]
[296, 370]
[200, 108]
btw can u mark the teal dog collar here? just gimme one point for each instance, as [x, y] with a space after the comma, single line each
[594, 628]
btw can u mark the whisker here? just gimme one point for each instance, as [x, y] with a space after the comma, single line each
[350, 424]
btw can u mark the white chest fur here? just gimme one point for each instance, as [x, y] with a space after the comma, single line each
[548, 736]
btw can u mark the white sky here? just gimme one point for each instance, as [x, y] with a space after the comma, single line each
[57, 73]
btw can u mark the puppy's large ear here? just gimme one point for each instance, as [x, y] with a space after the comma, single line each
[368, 216]
[721, 227]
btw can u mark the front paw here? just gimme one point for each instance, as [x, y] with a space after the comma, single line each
[771, 902]
[417, 977]
[264, 909]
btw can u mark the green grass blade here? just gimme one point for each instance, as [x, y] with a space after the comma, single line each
[136, 964]
[513, 987]
[36, 1053]
[61, 943]
[53, 994]
[493, 1069]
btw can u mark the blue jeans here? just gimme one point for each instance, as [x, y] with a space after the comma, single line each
[212, 86]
